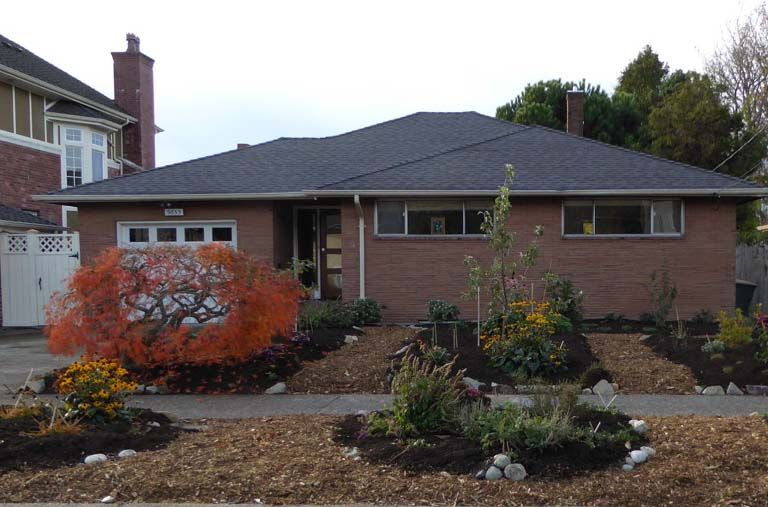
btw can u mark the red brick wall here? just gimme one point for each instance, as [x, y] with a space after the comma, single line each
[25, 172]
[255, 232]
[404, 274]
[134, 92]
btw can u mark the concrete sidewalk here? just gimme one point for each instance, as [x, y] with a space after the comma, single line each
[245, 406]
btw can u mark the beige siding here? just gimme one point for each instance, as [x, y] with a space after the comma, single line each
[6, 107]
[49, 128]
[38, 118]
[22, 112]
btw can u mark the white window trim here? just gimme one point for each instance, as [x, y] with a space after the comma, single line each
[660, 235]
[86, 143]
[208, 225]
[406, 234]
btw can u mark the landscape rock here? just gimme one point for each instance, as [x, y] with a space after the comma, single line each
[713, 391]
[480, 475]
[698, 389]
[472, 383]
[93, 459]
[757, 390]
[350, 339]
[400, 352]
[153, 424]
[358, 328]
[140, 389]
[493, 474]
[352, 452]
[108, 499]
[627, 467]
[639, 426]
[650, 451]
[629, 461]
[615, 386]
[126, 453]
[151, 390]
[734, 390]
[755, 414]
[587, 390]
[515, 472]
[603, 388]
[644, 337]
[37, 386]
[639, 456]
[279, 388]
[501, 461]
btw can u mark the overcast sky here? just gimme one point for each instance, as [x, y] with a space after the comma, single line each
[229, 72]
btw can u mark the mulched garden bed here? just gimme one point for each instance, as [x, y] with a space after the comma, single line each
[295, 460]
[635, 366]
[459, 455]
[733, 365]
[20, 450]
[626, 326]
[476, 362]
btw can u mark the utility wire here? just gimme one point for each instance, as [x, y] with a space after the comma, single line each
[729, 157]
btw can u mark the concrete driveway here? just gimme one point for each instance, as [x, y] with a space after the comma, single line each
[22, 351]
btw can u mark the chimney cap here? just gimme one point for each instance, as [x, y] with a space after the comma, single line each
[240, 146]
[134, 43]
[575, 92]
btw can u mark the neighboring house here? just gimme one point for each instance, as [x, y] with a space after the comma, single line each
[57, 132]
[390, 211]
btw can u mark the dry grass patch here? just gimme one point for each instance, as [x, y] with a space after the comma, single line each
[357, 368]
[637, 368]
[294, 459]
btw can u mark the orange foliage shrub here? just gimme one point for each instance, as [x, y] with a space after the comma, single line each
[143, 307]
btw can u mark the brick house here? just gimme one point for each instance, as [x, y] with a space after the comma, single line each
[57, 132]
[389, 211]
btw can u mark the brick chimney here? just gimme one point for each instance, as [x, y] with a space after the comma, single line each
[574, 123]
[134, 92]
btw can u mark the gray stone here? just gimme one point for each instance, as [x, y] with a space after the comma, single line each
[350, 339]
[472, 383]
[480, 475]
[493, 474]
[500, 461]
[358, 328]
[279, 388]
[627, 467]
[153, 424]
[515, 472]
[108, 499]
[639, 426]
[757, 390]
[93, 459]
[650, 451]
[713, 391]
[587, 390]
[698, 389]
[140, 389]
[644, 337]
[352, 452]
[615, 386]
[603, 388]
[151, 390]
[126, 453]
[37, 386]
[639, 456]
[629, 461]
[734, 390]
[400, 352]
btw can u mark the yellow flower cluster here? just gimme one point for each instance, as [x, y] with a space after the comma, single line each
[95, 387]
[526, 319]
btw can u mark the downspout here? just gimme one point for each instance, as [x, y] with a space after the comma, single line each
[361, 241]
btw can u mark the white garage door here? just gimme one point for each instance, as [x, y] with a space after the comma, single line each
[33, 267]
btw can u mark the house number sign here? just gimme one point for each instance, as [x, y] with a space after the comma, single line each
[174, 212]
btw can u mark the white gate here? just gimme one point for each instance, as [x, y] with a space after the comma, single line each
[32, 267]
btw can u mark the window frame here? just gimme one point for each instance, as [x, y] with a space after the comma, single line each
[123, 232]
[406, 234]
[87, 146]
[652, 234]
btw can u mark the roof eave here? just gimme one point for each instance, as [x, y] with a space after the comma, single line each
[88, 120]
[66, 199]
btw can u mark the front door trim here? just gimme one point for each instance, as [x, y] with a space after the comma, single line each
[317, 208]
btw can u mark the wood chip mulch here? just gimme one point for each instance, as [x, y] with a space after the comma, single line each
[294, 460]
[637, 368]
[360, 367]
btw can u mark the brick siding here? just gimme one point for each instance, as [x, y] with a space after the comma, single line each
[25, 172]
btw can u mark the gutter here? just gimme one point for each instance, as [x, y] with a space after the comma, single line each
[361, 241]
[65, 198]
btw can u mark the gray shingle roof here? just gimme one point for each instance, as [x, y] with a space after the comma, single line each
[8, 214]
[422, 151]
[17, 57]
[73, 108]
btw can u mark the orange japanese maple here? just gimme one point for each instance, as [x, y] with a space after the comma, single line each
[167, 304]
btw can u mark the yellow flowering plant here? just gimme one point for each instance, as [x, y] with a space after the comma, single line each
[95, 389]
[520, 343]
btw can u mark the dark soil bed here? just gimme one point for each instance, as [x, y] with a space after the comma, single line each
[626, 326]
[734, 365]
[458, 455]
[18, 450]
[476, 362]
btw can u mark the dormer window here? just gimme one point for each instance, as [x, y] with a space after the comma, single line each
[85, 155]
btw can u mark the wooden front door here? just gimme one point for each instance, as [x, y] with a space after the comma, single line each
[330, 254]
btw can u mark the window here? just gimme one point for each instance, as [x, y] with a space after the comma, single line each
[623, 217]
[191, 233]
[75, 135]
[430, 217]
[74, 165]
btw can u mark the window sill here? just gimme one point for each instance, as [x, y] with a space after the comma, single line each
[429, 237]
[624, 237]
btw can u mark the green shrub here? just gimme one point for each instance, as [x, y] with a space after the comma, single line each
[613, 317]
[594, 374]
[663, 294]
[728, 370]
[425, 398]
[713, 346]
[626, 328]
[436, 355]
[762, 345]
[703, 317]
[566, 299]
[735, 331]
[441, 311]
[365, 311]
